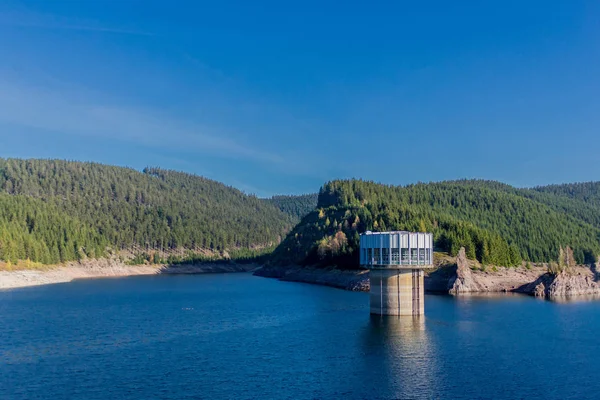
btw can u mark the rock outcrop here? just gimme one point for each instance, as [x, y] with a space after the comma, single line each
[540, 290]
[537, 287]
[458, 278]
[462, 281]
[569, 285]
[564, 285]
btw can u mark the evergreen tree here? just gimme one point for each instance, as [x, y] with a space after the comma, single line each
[55, 211]
[497, 224]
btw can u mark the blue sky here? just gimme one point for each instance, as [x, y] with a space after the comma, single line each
[279, 97]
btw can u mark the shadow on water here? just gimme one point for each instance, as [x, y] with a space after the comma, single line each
[207, 268]
[400, 357]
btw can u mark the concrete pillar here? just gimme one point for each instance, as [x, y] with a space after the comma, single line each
[397, 292]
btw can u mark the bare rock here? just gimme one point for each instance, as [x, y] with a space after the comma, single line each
[462, 281]
[540, 290]
[568, 285]
[564, 285]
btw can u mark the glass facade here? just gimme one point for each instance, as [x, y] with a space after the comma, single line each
[396, 249]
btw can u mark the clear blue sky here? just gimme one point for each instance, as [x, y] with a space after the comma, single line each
[279, 97]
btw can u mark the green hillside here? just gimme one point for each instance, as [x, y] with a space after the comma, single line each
[579, 199]
[297, 207]
[53, 211]
[497, 224]
[589, 192]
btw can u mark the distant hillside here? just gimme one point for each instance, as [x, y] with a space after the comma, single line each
[582, 199]
[296, 207]
[498, 224]
[589, 192]
[53, 211]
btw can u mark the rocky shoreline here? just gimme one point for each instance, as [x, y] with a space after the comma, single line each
[458, 278]
[536, 281]
[455, 278]
[103, 268]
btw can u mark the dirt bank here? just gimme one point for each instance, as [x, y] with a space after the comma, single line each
[466, 277]
[436, 280]
[107, 268]
[357, 281]
[458, 276]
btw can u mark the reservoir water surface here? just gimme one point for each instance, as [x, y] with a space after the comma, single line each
[235, 336]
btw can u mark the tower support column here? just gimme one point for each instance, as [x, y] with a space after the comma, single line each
[397, 291]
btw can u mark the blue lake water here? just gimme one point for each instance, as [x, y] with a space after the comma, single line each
[235, 336]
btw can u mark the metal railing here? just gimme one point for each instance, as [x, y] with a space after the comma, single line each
[413, 260]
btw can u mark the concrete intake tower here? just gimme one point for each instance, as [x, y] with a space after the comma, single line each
[396, 261]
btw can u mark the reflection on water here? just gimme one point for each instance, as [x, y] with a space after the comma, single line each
[576, 299]
[403, 352]
[489, 295]
[241, 337]
[468, 297]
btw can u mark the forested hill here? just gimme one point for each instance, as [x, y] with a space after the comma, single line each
[588, 192]
[498, 224]
[295, 206]
[53, 211]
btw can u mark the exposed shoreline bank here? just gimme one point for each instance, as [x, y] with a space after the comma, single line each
[353, 280]
[455, 279]
[458, 279]
[104, 268]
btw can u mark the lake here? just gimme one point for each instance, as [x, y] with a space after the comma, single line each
[235, 336]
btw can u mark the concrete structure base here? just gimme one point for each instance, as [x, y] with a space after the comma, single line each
[397, 292]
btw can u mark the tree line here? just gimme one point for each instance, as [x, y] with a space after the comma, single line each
[295, 206]
[53, 211]
[496, 223]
